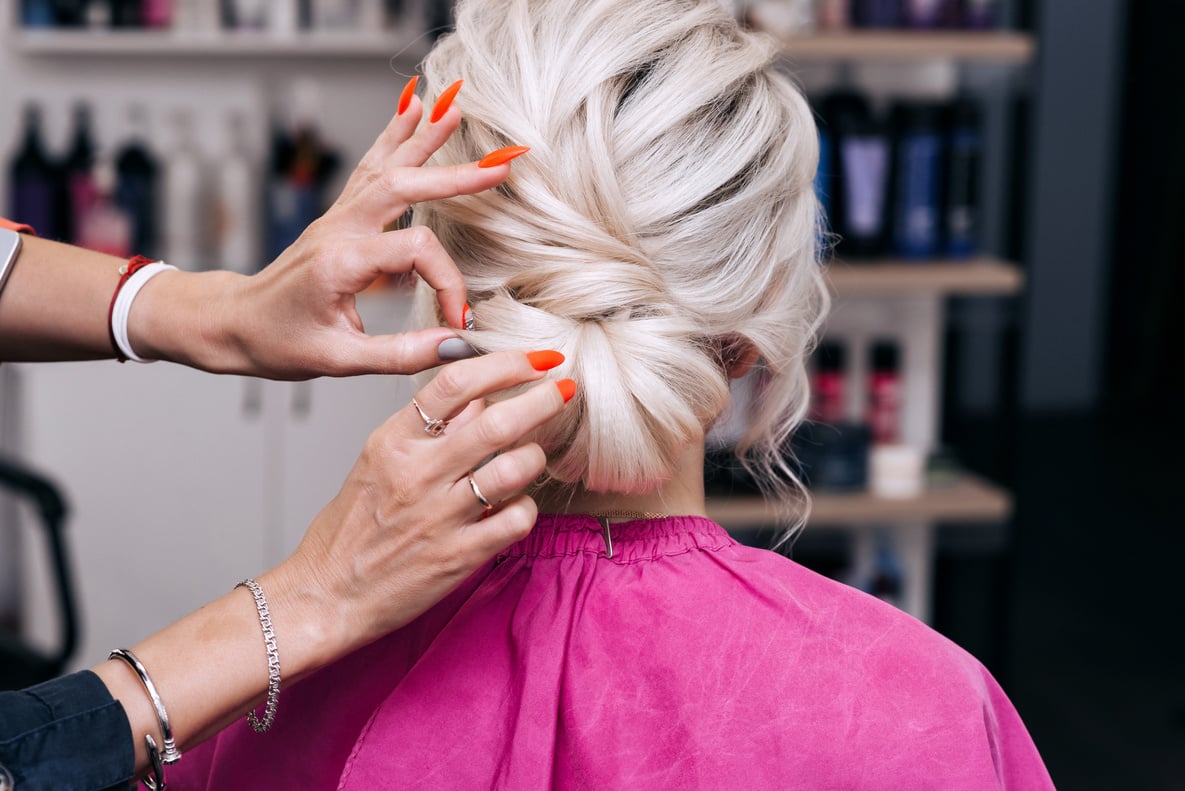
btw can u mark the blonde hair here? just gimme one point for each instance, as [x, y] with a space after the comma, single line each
[665, 210]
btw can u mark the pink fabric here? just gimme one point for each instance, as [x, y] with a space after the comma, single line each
[686, 661]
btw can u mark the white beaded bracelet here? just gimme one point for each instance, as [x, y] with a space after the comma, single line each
[273, 659]
[122, 307]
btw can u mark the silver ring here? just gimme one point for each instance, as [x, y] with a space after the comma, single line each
[486, 504]
[433, 427]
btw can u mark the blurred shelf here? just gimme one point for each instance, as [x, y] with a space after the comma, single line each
[982, 276]
[908, 45]
[969, 500]
[140, 43]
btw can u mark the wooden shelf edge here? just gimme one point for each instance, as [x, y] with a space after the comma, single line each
[908, 45]
[969, 499]
[978, 276]
[115, 44]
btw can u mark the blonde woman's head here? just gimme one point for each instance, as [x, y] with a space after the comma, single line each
[663, 219]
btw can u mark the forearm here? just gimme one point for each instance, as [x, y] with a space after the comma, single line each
[57, 301]
[211, 667]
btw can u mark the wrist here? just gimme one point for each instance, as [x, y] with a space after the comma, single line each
[309, 625]
[184, 317]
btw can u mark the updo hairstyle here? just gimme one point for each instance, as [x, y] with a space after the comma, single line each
[664, 212]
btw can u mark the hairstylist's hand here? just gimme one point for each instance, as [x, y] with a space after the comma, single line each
[407, 527]
[297, 318]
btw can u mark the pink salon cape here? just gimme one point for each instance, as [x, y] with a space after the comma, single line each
[685, 661]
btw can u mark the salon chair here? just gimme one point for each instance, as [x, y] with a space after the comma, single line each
[22, 665]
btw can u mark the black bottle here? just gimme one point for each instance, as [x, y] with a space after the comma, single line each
[964, 149]
[861, 167]
[138, 190]
[32, 180]
[76, 192]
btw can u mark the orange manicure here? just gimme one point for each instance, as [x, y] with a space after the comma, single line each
[409, 91]
[545, 360]
[502, 156]
[445, 101]
[567, 389]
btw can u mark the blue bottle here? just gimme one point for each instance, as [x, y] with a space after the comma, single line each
[917, 181]
[964, 148]
[37, 14]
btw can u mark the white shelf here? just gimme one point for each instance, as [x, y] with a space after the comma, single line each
[137, 44]
[983, 276]
[969, 499]
[907, 45]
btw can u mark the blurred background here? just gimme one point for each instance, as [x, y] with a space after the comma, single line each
[995, 444]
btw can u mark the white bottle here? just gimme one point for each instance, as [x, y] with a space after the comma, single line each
[236, 210]
[185, 199]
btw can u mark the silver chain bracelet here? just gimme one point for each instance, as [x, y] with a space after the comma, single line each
[273, 659]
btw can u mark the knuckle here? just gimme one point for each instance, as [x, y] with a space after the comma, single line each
[450, 384]
[420, 238]
[494, 430]
[520, 518]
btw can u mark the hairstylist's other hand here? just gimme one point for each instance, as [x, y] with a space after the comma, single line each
[407, 527]
[297, 318]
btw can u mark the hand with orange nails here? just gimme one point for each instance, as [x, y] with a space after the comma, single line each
[297, 318]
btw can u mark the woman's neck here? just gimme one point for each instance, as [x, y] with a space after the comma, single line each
[682, 495]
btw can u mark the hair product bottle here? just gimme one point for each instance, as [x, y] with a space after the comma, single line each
[78, 175]
[829, 383]
[236, 204]
[917, 178]
[964, 149]
[183, 229]
[861, 146]
[106, 227]
[884, 392]
[32, 178]
[139, 189]
[877, 13]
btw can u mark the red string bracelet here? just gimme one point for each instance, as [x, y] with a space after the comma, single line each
[133, 265]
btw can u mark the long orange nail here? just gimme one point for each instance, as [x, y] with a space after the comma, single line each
[445, 101]
[502, 156]
[567, 389]
[545, 360]
[409, 91]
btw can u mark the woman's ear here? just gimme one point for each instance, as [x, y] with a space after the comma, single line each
[738, 355]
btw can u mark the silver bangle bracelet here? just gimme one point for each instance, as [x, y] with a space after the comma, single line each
[171, 754]
[273, 659]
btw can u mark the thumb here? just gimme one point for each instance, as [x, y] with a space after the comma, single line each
[403, 353]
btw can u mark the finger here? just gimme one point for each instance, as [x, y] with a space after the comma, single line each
[398, 131]
[404, 353]
[428, 138]
[413, 249]
[509, 524]
[387, 198]
[502, 478]
[460, 383]
[504, 424]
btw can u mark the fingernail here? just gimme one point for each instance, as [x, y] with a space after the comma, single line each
[545, 360]
[567, 389]
[467, 321]
[455, 349]
[502, 156]
[445, 101]
[409, 91]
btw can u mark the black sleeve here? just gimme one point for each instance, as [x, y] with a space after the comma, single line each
[68, 733]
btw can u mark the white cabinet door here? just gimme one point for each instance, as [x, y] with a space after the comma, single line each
[327, 422]
[163, 468]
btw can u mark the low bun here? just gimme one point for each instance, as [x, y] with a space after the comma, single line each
[666, 205]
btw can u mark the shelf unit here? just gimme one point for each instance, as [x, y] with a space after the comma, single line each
[968, 499]
[981, 276]
[174, 44]
[900, 45]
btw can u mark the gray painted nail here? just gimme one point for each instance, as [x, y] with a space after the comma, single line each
[455, 349]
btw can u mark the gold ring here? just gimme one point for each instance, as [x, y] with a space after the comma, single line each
[433, 427]
[486, 504]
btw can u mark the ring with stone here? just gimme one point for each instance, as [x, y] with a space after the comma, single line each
[433, 427]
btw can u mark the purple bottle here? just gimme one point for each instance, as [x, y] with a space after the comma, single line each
[926, 14]
[877, 13]
[32, 180]
[980, 14]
